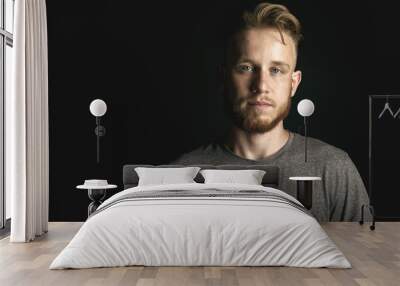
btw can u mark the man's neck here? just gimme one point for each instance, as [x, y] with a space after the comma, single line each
[256, 146]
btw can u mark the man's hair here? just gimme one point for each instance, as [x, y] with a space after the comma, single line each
[267, 15]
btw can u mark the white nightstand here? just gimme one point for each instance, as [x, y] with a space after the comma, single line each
[96, 193]
[305, 189]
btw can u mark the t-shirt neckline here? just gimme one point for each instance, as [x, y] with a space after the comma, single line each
[265, 159]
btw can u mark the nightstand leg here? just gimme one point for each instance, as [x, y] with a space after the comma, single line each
[97, 196]
[304, 193]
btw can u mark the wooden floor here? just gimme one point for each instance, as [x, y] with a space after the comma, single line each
[375, 256]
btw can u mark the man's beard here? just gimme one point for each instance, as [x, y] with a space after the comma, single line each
[248, 118]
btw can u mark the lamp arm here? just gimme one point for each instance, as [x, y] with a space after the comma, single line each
[99, 131]
[305, 135]
[98, 138]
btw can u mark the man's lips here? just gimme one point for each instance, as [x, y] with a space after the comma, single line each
[260, 103]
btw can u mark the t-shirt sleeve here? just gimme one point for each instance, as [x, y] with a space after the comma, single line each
[180, 160]
[206, 154]
[186, 159]
[346, 190]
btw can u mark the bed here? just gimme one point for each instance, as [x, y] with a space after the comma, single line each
[201, 224]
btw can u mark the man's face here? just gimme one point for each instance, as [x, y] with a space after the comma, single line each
[261, 79]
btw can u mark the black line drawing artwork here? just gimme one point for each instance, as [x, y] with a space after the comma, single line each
[371, 156]
[397, 113]
[387, 107]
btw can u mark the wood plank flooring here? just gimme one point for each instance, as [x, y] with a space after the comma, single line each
[375, 257]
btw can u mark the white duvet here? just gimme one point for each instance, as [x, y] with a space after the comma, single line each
[200, 231]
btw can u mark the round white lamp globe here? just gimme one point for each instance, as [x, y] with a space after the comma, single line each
[305, 107]
[98, 107]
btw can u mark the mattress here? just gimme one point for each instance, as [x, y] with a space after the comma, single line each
[201, 225]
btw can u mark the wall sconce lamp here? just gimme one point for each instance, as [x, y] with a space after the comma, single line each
[305, 109]
[98, 108]
[305, 183]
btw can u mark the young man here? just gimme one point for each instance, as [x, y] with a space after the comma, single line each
[260, 80]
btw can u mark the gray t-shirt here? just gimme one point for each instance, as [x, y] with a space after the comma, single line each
[337, 197]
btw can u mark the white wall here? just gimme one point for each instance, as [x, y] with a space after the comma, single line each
[8, 86]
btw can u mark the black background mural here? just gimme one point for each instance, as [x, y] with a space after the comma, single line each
[155, 65]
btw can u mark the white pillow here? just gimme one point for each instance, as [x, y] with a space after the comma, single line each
[248, 177]
[162, 176]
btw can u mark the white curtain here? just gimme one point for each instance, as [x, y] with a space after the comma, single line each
[27, 143]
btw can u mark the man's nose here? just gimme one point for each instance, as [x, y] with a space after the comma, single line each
[261, 82]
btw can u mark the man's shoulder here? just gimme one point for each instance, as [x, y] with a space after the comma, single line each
[201, 154]
[321, 149]
[209, 148]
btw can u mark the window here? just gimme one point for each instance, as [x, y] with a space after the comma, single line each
[6, 61]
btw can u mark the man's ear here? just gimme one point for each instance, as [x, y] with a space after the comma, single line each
[296, 79]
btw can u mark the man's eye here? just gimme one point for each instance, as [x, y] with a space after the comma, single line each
[245, 68]
[275, 70]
